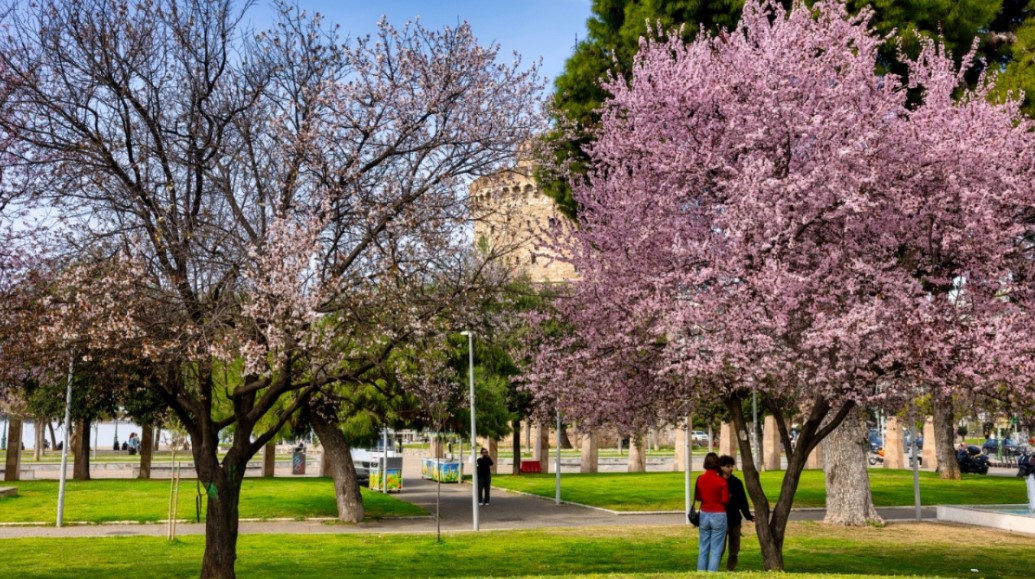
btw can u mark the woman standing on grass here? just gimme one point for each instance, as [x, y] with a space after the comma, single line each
[713, 492]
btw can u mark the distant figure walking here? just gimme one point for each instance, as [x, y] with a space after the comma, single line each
[484, 477]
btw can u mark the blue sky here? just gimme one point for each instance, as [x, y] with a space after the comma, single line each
[533, 28]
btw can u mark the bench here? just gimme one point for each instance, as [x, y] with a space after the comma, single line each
[531, 466]
[8, 492]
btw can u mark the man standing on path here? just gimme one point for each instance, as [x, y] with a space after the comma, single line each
[484, 477]
[738, 504]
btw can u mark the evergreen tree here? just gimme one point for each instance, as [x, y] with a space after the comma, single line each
[615, 29]
[613, 38]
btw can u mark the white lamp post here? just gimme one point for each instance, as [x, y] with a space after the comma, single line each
[474, 435]
[64, 445]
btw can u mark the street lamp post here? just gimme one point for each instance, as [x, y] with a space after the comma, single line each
[64, 444]
[474, 435]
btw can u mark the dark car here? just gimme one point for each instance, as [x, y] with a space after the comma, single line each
[909, 441]
[875, 440]
[1009, 446]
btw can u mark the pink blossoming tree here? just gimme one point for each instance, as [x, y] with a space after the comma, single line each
[766, 214]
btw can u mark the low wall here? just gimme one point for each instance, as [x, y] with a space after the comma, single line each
[188, 471]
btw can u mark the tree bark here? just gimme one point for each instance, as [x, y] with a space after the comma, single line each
[637, 453]
[515, 467]
[53, 435]
[13, 462]
[222, 485]
[771, 525]
[341, 468]
[146, 450]
[849, 501]
[41, 435]
[565, 441]
[945, 436]
[269, 459]
[80, 442]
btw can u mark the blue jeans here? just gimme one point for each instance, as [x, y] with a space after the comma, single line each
[713, 538]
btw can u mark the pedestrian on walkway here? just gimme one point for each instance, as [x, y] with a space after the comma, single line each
[484, 477]
[737, 506]
[713, 492]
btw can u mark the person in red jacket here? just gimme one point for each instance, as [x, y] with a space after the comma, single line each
[713, 492]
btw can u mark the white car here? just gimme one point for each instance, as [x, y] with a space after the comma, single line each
[700, 437]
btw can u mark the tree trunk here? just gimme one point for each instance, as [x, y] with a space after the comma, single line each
[13, 464]
[637, 453]
[146, 450]
[849, 501]
[269, 459]
[771, 525]
[81, 450]
[565, 441]
[53, 435]
[515, 467]
[223, 489]
[342, 470]
[945, 436]
[41, 435]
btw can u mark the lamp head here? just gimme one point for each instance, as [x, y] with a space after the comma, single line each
[466, 333]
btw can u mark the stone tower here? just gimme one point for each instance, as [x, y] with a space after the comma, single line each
[512, 218]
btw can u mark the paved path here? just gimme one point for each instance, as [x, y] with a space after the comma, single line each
[507, 511]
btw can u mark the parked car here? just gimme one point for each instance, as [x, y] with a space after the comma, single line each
[908, 440]
[875, 440]
[700, 437]
[1009, 446]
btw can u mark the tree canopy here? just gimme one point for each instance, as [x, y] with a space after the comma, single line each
[765, 212]
[281, 200]
[615, 30]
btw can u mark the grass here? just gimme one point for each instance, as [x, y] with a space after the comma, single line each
[663, 491]
[108, 500]
[658, 552]
[811, 549]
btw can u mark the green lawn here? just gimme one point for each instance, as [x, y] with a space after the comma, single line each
[661, 491]
[106, 500]
[811, 550]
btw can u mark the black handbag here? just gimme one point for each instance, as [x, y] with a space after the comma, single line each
[694, 516]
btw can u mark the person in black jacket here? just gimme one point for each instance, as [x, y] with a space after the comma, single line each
[484, 477]
[738, 505]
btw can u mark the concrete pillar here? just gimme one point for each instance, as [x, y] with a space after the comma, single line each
[13, 463]
[727, 440]
[438, 448]
[637, 454]
[492, 445]
[930, 452]
[771, 448]
[589, 460]
[541, 446]
[815, 458]
[680, 446]
[894, 453]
